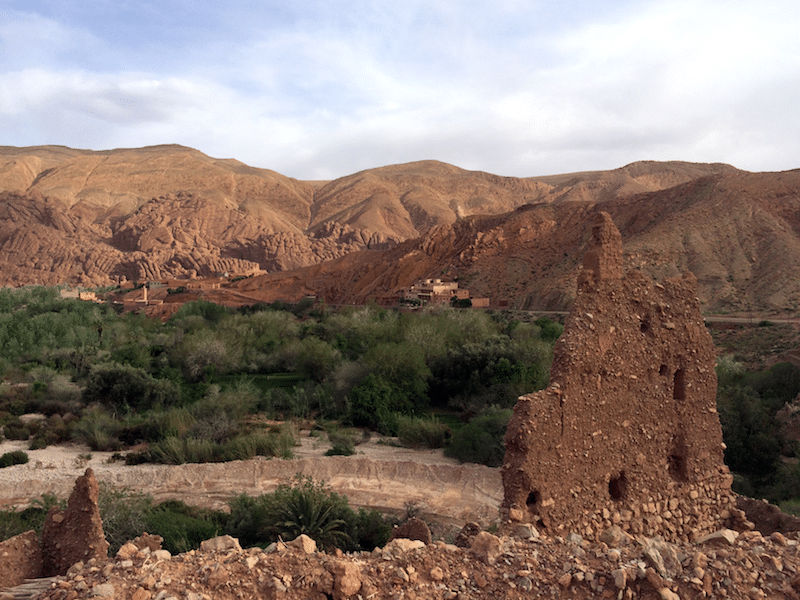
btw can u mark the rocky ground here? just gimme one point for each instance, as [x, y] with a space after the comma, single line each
[522, 564]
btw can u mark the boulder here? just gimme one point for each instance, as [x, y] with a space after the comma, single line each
[413, 529]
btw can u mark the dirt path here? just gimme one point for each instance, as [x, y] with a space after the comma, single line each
[377, 476]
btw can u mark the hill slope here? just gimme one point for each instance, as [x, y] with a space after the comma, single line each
[92, 218]
[737, 232]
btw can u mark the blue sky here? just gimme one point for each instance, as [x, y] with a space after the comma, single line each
[318, 89]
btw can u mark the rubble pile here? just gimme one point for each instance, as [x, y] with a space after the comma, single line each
[526, 564]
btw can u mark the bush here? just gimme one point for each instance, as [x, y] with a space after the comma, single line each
[16, 430]
[98, 430]
[13, 522]
[374, 403]
[177, 451]
[307, 507]
[183, 527]
[481, 440]
[549, 330]
[54, 430]
[342, 444]
[416, 432]
[371, 529]
[16, 457]
[124, 514]
[124, 388]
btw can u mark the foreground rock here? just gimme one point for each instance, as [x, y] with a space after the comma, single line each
[20, 559]
[627, 434]
[495, 567]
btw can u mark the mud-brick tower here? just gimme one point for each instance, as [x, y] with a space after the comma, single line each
[627, 433]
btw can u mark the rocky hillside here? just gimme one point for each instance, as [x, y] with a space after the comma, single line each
[91, 218]
[738, 232]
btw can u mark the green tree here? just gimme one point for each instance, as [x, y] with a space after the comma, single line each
[482, 439]
[124, 388]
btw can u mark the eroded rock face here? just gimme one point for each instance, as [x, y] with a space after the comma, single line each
[20, 559]
[627, 433]
[75, 534]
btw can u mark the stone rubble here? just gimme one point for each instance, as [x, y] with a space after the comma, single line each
[496, 566]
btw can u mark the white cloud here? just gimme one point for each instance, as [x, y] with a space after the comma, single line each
[515, 90]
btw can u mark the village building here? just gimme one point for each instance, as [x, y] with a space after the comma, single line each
[438, 292]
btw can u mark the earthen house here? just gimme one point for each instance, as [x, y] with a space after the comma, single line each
[627, 433]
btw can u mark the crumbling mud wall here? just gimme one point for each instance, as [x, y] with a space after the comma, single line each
[75, 534]
[627, 433]
[20, 559]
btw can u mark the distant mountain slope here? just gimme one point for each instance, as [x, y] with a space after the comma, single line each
[91, 218]
[737, 232]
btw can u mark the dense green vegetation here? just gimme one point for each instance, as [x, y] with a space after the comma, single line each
[304, 506]
[209, 384]
[765, 463]
[201, 386]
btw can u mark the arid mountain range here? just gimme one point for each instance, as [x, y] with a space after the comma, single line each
[93, 218]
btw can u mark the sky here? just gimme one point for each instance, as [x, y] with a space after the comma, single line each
[321, 89]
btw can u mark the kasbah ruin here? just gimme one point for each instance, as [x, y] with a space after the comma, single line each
[614, 487]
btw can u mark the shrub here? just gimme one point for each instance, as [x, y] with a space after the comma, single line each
[98, 430]
[371, 529]
[16, 430]
[301, 507]
[342, 444]
[54, 430]
[374, 402]
[416, 432]
[124, 514]
[481, 440]
[15, 457]
[13, 522]
[549, 330]
[183, 527]
[125, 388]
[177, 451]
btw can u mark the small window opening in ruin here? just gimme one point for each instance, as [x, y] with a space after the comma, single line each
[618, 487]
[663, 370]
[677, 461]
[644, 326]
[679, 385]
[677, 467]
[533, 501]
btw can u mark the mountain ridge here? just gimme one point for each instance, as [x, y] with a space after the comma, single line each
[96, 217]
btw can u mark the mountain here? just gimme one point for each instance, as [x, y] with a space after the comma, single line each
[738, 232]
[95, 217]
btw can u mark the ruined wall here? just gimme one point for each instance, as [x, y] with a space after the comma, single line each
[627, 433]
[20, 559]
[75, 534]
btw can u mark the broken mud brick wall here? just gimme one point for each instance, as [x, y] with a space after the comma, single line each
[75, 534]
[627, 433]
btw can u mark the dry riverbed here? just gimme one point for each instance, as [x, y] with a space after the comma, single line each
[379, 475]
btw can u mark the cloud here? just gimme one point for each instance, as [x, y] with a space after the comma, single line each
[316, 91]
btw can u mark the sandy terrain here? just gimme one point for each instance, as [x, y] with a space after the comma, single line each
[377, 476]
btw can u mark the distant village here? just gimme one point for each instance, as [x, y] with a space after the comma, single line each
[437, 292]
[146, 295]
